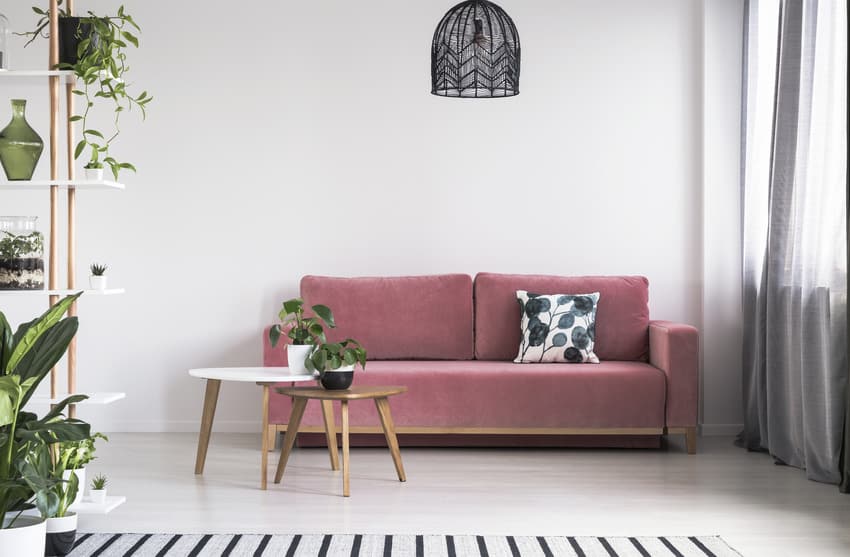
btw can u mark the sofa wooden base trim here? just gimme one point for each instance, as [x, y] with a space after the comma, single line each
[690, 433]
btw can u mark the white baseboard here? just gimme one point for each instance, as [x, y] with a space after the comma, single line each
[177, 426]
[710, 430]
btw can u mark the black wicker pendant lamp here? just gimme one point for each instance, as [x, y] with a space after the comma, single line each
[475, 52]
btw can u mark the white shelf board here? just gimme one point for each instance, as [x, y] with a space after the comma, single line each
[81, 184]
[63, 292]
[94, 398]
[87, 507]
[68, 75]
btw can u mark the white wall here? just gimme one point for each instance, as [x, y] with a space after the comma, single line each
[300, 137]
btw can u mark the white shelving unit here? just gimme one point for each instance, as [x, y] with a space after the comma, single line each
[79, 185]
[62, 292]
[94, 398]
[65, 75]
[60, 84]
[87, 507]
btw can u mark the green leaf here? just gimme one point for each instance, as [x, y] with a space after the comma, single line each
[75, 118]
[349, 357]
[320, 358]
[293, 305]
[10, 395]
[325, 313]
[47, 320]
[94, 133]
[79, 149]
[274, 335]
[131, 38]
[6, 338]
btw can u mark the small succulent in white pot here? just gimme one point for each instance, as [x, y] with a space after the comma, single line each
[97, 280]
[98, 489]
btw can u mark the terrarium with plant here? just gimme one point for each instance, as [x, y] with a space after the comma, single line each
[21, 254]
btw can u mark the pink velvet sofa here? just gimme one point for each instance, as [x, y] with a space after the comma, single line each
[452, 341]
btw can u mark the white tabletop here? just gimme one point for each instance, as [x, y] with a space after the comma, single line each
[251, 374]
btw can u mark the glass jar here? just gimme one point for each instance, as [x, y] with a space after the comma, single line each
[4, 43]
[21, 254]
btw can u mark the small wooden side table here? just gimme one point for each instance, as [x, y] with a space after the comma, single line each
[263, 376]
[300, 396]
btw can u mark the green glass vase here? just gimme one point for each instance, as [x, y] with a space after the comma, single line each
[20, 146]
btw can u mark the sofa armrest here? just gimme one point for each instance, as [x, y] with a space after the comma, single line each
[674, 349]
[273, 357]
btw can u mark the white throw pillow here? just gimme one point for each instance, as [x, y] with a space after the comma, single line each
[557, 327]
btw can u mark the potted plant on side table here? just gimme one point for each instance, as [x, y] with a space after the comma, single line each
[26, 357]
[304, 332]
[335, 362]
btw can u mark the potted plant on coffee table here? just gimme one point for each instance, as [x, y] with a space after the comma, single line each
[304, 332]
[335, 362]
[26, 357]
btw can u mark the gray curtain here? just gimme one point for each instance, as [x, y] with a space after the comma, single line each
[794, 188]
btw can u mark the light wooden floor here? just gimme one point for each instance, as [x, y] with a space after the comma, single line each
[759, 508]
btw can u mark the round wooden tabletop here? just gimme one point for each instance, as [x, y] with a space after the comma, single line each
[353, 393]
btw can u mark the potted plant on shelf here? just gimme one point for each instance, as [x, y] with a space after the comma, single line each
[94, 171]
[26, 357]
[335, 361]
[98, 277]
[77, 455]
[98, 489]
[94, 48]
[304, 332]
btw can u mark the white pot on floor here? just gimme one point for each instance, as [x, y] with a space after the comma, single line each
[26, 538]
[295, 355]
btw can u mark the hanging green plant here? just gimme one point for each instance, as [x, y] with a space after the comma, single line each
[100, 65]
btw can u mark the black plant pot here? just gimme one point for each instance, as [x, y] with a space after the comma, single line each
[61, 534]
[337, 380]
[71, 33]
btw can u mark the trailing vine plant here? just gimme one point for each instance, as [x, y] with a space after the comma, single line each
[100, 68]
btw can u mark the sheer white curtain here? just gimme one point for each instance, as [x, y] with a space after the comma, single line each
[794, 178]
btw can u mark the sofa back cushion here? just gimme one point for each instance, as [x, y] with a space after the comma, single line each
[622, 316]
[398, 318]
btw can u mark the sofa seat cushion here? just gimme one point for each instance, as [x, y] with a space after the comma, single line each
[508, 395]
[394, 318]
[622, 315]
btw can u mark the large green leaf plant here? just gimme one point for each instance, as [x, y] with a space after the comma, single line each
[27, 474]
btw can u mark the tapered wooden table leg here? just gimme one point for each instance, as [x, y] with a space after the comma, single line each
[383, 406]
[330, 432]
[264, 460]
[298, 406]
[210, 400]
[345, 462]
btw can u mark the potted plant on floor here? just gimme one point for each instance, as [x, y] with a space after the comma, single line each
[304, 332]
[335, 362]
[98, 489]
[26, 357]
[54, 506]
[94, 48]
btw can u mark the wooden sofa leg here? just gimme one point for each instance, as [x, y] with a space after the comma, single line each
[691, 440]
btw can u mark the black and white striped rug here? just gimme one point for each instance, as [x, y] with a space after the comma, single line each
[250, 545]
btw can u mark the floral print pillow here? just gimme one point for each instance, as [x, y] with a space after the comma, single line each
[557, 327]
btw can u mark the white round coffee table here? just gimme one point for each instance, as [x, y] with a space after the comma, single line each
[264, 376]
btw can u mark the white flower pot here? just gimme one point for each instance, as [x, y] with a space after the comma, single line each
[93, 173]
[295, 355]
[61, 534]
[97, 496]
[81, 478]
[98, 282]
[25, 539]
